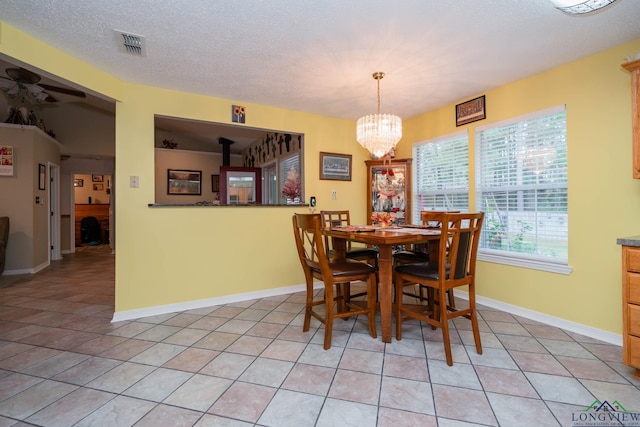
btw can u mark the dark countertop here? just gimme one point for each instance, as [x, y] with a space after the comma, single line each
[211, 205]
[629, 241]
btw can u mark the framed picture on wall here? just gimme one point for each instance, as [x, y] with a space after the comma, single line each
[6, 160]
[97, 178]
[471, 111]
[42, 176]
[335, 166]
[184, 182]
[78, 182]
[98, 187]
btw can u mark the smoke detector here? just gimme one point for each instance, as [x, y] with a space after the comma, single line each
[131, 43]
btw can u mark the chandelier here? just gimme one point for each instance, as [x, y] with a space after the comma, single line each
[379, 133]
[580, 6]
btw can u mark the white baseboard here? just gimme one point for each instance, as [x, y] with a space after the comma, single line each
[119, 316]
[567, 325]
[26, 270]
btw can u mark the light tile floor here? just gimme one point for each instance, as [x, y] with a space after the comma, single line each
[63, 363]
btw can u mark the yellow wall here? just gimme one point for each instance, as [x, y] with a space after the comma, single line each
[170, 255]
[173, 255]
[604, 200]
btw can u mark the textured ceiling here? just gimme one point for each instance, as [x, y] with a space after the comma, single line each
[318, 56]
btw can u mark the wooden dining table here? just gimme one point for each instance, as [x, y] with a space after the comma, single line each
[385, 239]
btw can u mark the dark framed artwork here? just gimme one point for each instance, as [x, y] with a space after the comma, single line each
[215, 183]
[78, 182]
[97, 178]
[471, 111]
[98, 187]
[334, 166]
[184, 182]
[42, 176]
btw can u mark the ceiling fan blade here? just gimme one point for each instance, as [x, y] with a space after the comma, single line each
[22, 75]
[71, 92]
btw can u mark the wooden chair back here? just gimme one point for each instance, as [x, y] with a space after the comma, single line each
[336, 277]
[334, 219]
[310, 244]
[456, 266]
[460, 247]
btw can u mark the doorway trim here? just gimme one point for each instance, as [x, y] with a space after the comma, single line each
[54, 212]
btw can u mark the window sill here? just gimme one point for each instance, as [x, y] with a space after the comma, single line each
[525, 263]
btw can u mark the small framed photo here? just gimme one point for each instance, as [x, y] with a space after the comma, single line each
[335, 166]
[78, 182]
[42, 176]
[98, 187]
[184, 182]
[215, 183]
[97, 178]
[471, 111]
[6, 160]
[238, 114]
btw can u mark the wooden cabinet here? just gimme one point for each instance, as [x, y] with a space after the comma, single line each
[634, 68]
[631, 306]
[389, 192]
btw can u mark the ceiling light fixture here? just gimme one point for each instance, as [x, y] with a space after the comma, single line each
[379, 133]
[580, 6]
[32, 93]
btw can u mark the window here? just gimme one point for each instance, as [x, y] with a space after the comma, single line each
[441, 178]
[522, 188]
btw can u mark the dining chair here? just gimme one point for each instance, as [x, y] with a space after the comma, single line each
[340, 219]
[336, 277]
[419, 253]
[456, 267]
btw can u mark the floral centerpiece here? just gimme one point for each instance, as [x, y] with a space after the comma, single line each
[383, 219]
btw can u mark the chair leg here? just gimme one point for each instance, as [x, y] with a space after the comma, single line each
[398, 308]
[371, 305]
[474, 319]
[328, 316]
[307, 309]
[342, 296]
[431, 303]
[452, 300]
[444, 324]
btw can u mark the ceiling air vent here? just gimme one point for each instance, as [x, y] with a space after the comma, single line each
[131, 43]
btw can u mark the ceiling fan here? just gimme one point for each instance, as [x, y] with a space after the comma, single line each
[24, 83]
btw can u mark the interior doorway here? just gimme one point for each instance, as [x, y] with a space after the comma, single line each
[92, 209]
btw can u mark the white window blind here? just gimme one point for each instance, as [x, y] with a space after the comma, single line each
[522, 187]
[441, 177]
